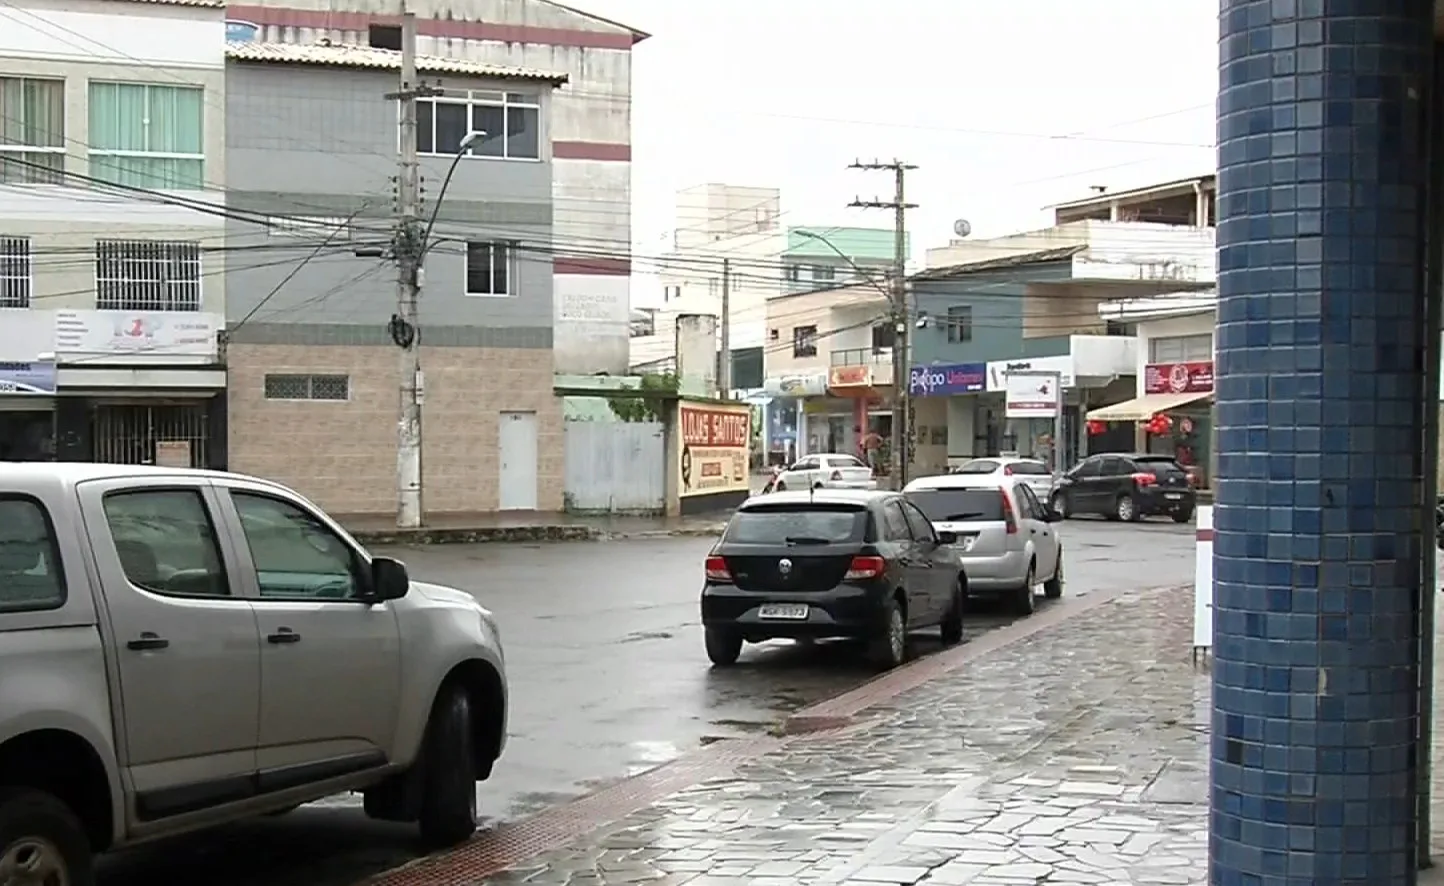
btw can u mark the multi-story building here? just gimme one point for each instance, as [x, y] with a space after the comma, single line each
[733, 232]
[112, 164]
[589, 142]
[311, 341]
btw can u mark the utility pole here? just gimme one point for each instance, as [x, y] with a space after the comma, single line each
[724, 367]
[901, 398]
[408, 249]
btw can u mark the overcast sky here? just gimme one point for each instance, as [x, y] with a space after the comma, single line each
[1005, 105]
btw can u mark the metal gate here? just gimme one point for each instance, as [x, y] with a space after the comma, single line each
[615, 467]
[151, 433]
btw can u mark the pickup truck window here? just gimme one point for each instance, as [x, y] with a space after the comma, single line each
[31, 579]
[295, 554]
[167, 542]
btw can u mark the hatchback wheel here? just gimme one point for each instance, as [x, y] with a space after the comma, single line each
[1024, 603]
[1059, 505]
[723, 646]
[952, 626]
[780, 487]
[1053, 587]
[1126, 509]
[1183, 516]
[889, 648]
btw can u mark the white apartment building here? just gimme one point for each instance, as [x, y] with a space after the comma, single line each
[112, 164]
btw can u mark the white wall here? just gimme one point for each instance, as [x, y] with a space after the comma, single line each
[134, 35]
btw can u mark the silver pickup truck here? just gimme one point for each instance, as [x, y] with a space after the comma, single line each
[180, 649]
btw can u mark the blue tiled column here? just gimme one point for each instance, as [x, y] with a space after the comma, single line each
[1320, 386]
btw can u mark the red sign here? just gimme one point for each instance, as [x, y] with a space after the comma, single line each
[715, 427]
[1178, 378]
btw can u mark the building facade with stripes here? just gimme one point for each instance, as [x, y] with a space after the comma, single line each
[589, 140]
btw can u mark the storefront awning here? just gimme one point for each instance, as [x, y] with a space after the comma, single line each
[1145, 407]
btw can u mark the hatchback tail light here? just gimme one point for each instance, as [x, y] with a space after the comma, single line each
[717, 569]
[1007, 470]
[1010, 519]
[865, 567]
[837, 475]
[1143, 478]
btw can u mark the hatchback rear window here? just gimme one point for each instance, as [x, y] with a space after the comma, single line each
[30, 576]
[818, 524]
[977, 466]
[1028, 468]
[958, 505]
[1160, 465]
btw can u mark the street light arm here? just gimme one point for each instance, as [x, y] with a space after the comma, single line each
[466, 142]
[861, 271]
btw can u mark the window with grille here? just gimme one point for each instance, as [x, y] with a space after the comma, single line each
[804, 341]
[308, 387]
[15, 272]
[509, 123]
[147, 275]
[1181, 348]
[147, 136]
[32, 130]
[960, 324]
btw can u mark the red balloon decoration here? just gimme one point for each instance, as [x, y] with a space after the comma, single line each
[1159, 425]
[1096, 427]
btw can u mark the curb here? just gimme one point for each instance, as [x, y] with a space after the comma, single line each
[699, 532]
[511, 844]
[487, 535]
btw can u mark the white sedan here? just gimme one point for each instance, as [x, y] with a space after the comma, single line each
[1029, 471]
[825, 472]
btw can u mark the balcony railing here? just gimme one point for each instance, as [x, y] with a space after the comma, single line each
[861, 356]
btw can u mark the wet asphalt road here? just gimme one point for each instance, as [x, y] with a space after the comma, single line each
[608, 678]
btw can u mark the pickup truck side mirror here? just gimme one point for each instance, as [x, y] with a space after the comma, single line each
[389, 579]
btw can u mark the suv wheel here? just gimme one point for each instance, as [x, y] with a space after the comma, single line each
[723, 646]
[1024, 603]
[952, 626]
[1126, 509]
[448, 782]
[889, 648]
[42, 842]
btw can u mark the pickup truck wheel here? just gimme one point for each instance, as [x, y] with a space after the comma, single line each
[448, 786]
[42, 843]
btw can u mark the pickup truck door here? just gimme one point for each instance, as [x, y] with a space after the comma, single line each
[330, 662]
[183, 642]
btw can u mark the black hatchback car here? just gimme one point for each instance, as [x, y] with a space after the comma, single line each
[1126, 487]
[830, 563]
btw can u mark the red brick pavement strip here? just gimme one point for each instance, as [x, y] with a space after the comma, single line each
[494, 851]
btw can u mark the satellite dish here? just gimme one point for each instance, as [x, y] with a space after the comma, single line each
[962, 227]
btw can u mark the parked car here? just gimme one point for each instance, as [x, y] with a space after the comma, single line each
[182, 649]
[1029, 471]
[830, 563]
[830, 471]
[1126, 487]
[1005, 539]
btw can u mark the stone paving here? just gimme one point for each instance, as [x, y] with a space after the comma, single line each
[1076, 756]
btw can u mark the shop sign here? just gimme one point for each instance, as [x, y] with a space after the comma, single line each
[998, 370]
[27, 378]
[849, 377]
[1031, 396]
[137, 336]
[797, 385]
[942, 381]
[1178, 378]
[714, 451]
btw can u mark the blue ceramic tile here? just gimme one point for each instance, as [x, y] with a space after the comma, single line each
[1317, 547]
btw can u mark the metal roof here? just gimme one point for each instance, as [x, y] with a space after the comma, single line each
[352, 56]
[996, 264]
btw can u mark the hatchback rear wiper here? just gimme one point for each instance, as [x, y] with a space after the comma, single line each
[967, 515]
[807, 540]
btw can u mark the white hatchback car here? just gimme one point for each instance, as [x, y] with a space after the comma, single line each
[1028, 471]
[826, 472]
[1006, 539]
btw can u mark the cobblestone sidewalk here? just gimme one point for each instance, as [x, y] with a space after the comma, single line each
[1076, 756]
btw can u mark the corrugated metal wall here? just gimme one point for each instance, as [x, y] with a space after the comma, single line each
[615, 467]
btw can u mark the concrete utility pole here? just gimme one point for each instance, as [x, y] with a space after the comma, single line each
[901, 398]
[724, 366]
[408, 248]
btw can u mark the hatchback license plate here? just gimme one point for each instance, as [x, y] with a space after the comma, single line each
[788, 611]
[1173, 496]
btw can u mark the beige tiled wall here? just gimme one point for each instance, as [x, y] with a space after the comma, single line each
[343, 455]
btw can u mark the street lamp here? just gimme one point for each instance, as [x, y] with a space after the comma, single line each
[861, 271]
[461, 151]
